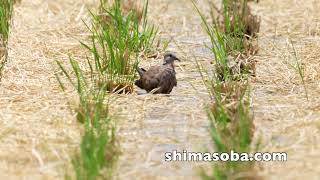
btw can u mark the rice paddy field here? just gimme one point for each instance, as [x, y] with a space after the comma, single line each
[69, 108]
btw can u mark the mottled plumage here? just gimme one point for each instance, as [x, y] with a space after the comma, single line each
[162, 78]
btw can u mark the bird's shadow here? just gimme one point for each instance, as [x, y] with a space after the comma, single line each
[142, 92]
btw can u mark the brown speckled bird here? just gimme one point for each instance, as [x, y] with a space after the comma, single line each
[162, 78]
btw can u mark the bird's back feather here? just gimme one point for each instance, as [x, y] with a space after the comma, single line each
[162, 77]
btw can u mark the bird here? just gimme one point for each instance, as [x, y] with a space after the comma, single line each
[161, 78]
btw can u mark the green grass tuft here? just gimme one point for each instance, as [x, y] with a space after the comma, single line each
[229, 113]
[118, 39]
[6, 8]
[99, 148]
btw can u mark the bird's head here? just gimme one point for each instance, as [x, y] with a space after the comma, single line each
[170, 58]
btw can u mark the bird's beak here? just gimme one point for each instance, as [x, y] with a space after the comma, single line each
[178, 59]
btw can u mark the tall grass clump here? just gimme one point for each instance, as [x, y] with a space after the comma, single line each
[128, 21]
[118, 39]
[6, 7]
[229, 113]
[231, 129]
[228, 40]
[231, 124]
[98, 148]
[239, 25]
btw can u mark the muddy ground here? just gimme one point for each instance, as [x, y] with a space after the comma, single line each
[39, 133]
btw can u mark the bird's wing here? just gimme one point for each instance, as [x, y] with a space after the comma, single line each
[139, 83]
[167, 80]
[154, 70]
[150, 78]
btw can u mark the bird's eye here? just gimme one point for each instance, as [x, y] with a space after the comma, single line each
[170, 55]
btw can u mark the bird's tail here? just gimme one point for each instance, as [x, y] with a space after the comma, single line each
[139, 83]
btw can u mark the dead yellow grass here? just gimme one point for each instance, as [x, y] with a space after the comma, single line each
[38, 133]
[151, 125]
[284, 117]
